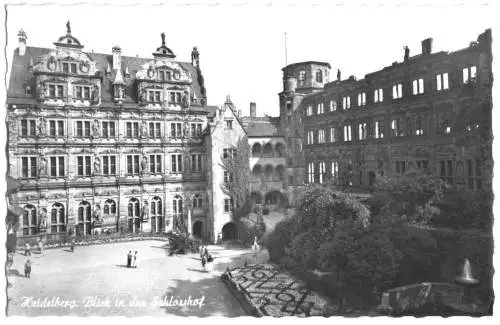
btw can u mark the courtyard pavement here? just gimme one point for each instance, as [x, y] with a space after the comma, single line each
[94, 280]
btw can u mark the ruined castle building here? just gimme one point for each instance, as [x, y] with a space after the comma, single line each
[431, 112]
[106, 142]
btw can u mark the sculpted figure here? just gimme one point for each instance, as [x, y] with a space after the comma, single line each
[144, 164]
[145, 209]
[95, 128]
[43, 219]
[95, 95]
[338, 74]
[185, 100]
[407, 53]
[144, 129]
[186, 129]
[97, 165]
[42, 168]
[42, 126]
[41, 90]
[97, 212]
[143, 95]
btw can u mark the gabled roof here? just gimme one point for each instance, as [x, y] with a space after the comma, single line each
[21, 76]
[262, 126]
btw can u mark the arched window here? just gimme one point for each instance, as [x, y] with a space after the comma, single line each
[134, 215]
[84, 225]
[30, 221]
[268, 149]
[319, 76]
[268, 173]
[257, 172]
[109, 207]
[156, 214]
[280, 149]
[197, 201]
[280, 172]
[256, 150]
[57, 218]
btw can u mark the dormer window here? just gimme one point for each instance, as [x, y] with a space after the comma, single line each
[82, 92]
[154, 95]
[56, 91]
[164, 75]
[69, 67]
[28, 90]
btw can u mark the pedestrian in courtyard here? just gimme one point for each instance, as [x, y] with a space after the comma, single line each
[72, 247]
[27, 269]
[205, 252]
[27, 249]
[203, 262]
[129, 258]
[134, 262]
[201, 250]
[40, 246]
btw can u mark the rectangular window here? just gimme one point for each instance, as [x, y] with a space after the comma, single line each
[422, 164]
[29, 166]
[132, 129]
[155, 164]
[418, 86]
[229, 124]
[309, 110]
[84, 166]
[400, 166]
[419, 126]
[108, 129]
[109, 165]
[442, 81]
[332, 134]
[397, 91]
[362, 131]
[321, 136]
[154, 129]
[28, 128]
[196, 166]
[132, 164]
[335, 172]
[322, 172]
[175, 130]
[396, 127]
[320, 108]
[333, 106]
[65, 67]
[228, 205]
[378, 95]
[347, 133]
[60, 91]
[362, 99]
[469, 74]
[346, 102]
[310, 137]
[310, 172]
[175, 97]
[176, 163]
[73, 67]
[228, 153]
[83, 128]
[57, 166]
[379, 129]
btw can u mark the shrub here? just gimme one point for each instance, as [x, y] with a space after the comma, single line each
[281, 238]
[265, 211]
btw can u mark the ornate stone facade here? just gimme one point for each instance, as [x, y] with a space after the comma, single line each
[430, 112]
[105, 142]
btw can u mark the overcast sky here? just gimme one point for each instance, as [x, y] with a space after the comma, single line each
[242, 49]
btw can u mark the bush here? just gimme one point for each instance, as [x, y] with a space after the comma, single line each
[265, 211]
[281, 237]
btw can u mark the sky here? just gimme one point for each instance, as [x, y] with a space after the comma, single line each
[242, 47]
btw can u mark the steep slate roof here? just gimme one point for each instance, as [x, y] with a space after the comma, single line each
[261, 126]
[21, 77]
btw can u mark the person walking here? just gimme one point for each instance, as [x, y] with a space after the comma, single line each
[205, 252]
[27, 250]
[40, 246]
[201, 251]
[203, 262]
[72, 247]
[27, 268]
[134, 262]
[129, 258]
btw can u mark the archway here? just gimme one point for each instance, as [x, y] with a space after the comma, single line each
[198, 229]
[268, 149]
[280, 172]
[275, 200]
[256, 150]
[280, 149]
[257, 173]
[268, 173]
[229, 231]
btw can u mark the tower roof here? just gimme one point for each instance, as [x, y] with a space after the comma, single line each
[163, 50]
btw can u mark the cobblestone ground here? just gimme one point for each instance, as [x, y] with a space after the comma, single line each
[94, 281]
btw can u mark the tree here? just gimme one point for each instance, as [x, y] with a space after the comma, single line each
[236, 165]
[416, 196]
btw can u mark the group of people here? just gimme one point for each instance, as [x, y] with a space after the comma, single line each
[27, 248]
[131, 260]
[205, 256]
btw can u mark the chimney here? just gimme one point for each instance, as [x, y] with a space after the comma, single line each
[253, 109]
[21, 36]
[238, 113]
[117, 57]
[427, 46]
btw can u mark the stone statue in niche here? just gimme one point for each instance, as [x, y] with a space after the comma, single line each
[42, 126]
[41, 90]
[97, 213]
[186, 129]
[95, 128]
[145, 209]
[51, 63]
[42, 219]
[144, 129]
[42, 168]
[95, 95]
[185, 100]
[121, 92]
[460, 172]
[143, 95]
[144, 164]
[97, 165]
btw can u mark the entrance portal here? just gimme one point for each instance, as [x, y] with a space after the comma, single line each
[229, 231]
[198, 229]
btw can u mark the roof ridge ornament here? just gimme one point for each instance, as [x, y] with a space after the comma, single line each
[163, 39]
[68, 28]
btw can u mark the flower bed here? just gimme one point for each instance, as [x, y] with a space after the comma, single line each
[96, 240]
[264, 290]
